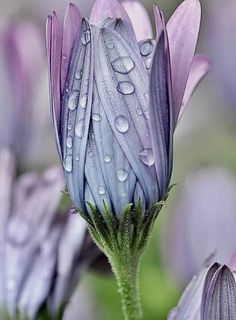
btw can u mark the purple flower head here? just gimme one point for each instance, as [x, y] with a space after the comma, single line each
[41, 249]
[211, 295]
[196, 224]
[116, 101]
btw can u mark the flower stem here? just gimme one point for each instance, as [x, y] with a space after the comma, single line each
[126, 270]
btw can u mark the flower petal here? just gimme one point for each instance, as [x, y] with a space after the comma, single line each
[139, 19]
[124, 97]
[76, 113]
[182, 29]
[200, 67]
[72, 23]
[103, 9]
[158, 15]
[161, 117]
[219, 295]
[54, 49]
[118, 175]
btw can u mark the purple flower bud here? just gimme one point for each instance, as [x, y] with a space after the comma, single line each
[116, 102]
[41, 249]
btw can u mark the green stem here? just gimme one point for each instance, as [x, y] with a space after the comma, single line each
[126, 270]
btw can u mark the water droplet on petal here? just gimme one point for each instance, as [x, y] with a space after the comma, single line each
[86, 37]
[11, 284]
[79, 128]
[146, 95]
[83, 101]
[68, 163]
[148, 62]
[126, 87]
[90, 153]
[73, 100]
[107, 158]
[69, 127]
[121, 124]
[63, 57]
[147, 157]
[123, 65]
[122, 175]
[77, 158]
[139, 111]
[69, 142]
[101, 190]
[96, 117]
[79, 74]
[146, 48]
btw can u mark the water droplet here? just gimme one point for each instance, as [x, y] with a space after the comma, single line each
[147, 157]
[11, 284]
[121, 124]
[63, 57]
[79, 128]
[139, 111]
[101, 190]
[146, 48]
[107, 158]
[73, 100]
[123, 65]
[83, 101]
[90, 153]
[146, 95]
[122, 175]
[79, 74]
[69, 142]
[77, 158]
[148, 62]
[86, 37]
[126, 87]
[96, 117]
[69, 127]
[68, 163]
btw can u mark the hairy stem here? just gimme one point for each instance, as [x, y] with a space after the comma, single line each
[126, 270]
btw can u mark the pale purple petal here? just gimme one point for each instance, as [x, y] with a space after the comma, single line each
[72, 23]
[123, 74]
[76, 114]
[38, 282]
[139, 18]
[54, 50]
[182, 29]
[7, 172]
[103, 9]
[160, 114]
[69, 267]
[219, 295]
[189, 305]
[200, 67]
[158, 15]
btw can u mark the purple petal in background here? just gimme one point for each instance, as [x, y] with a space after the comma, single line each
[139, 18]
[103, 9]
[200, 67]
[201, 222]
[182, 29]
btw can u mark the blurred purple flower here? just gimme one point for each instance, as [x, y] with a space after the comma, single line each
[24, 116]
[42, 251]
[204, 209]
[222, 29]
[116, 102]
[211, 295]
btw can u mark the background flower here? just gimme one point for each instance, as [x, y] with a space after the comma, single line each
[43, 250]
